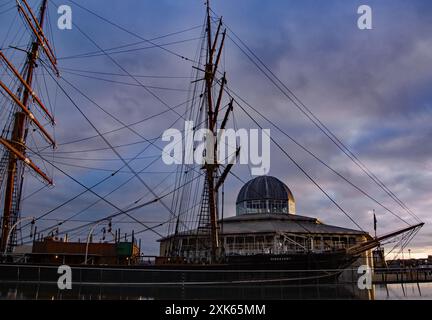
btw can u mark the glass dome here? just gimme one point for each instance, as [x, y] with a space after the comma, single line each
[265, 194]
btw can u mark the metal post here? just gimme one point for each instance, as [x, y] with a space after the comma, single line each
[11, 229]
[88, 239]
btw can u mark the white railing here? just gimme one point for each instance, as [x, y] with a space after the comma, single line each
[273, 247]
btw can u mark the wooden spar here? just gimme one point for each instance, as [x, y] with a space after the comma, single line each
[209, 69]
[218, 102]
[227, 170]
[26, 160]
[360, 248]
[225, 119]
[19, 132]
[216, 37]
[209, 36]
[39, 29]
[222, 178]
[213, 73]
[28, 113]
[219, 53]
[40, 36]
[25, 84]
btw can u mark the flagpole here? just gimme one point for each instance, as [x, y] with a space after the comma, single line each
[375, 223]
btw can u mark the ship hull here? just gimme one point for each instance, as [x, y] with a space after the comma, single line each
[289, 268]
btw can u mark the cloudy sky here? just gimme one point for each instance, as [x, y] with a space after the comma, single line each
[371, 88]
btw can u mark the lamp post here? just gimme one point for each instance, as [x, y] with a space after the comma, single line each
[88, 238]
[11, 229]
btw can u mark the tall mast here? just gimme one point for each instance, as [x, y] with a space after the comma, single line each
[213, 181]
[211, 167]
[16, 146]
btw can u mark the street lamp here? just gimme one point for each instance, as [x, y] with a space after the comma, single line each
[88, 238]
[11, 229]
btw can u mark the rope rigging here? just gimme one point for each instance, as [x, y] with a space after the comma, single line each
[79, 194]
[130, 44]
[125, 83]
[185, 194]
[105, 140]
[183, 57]
[262, 67]
[99, 54]
[125, 75]
[311, 153]
[94, 203]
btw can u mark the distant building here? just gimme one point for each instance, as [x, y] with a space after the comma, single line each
[410, 263]
[379, 258]
[52, 251]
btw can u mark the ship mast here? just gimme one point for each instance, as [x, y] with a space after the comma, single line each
[16, 146]
[210, 167]
[213, 104]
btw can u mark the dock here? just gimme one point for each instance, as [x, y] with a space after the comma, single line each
[402, 275]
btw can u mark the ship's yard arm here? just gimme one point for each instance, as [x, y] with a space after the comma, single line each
[368, 245]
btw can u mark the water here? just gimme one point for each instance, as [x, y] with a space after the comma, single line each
[407, 291]
[308, 292]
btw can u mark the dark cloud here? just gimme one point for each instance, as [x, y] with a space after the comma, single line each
[372, 88]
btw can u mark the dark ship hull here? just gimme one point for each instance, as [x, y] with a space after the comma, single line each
[257, 269]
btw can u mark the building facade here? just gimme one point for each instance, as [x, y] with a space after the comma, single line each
[265, 223]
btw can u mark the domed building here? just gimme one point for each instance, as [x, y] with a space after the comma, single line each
[266, 222]
[265, 194]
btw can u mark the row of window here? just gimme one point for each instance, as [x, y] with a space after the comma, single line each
[259, 239]
[263, 206]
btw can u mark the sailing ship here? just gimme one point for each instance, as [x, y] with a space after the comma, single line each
[207, 262]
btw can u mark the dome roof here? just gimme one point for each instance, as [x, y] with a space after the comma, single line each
[263, 188]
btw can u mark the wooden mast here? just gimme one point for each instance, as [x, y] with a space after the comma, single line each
[210, 166]
[16, 146]
[213, 108]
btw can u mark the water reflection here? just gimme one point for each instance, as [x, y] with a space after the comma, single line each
[48, 292]
[407, 291]
[309, 292]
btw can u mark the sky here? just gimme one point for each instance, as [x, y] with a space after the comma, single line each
[371, 88]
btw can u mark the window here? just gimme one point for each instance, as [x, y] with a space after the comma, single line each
[278, 206]
[263, 206]
[249, 239]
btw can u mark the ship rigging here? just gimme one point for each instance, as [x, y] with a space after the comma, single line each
[197, 194]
